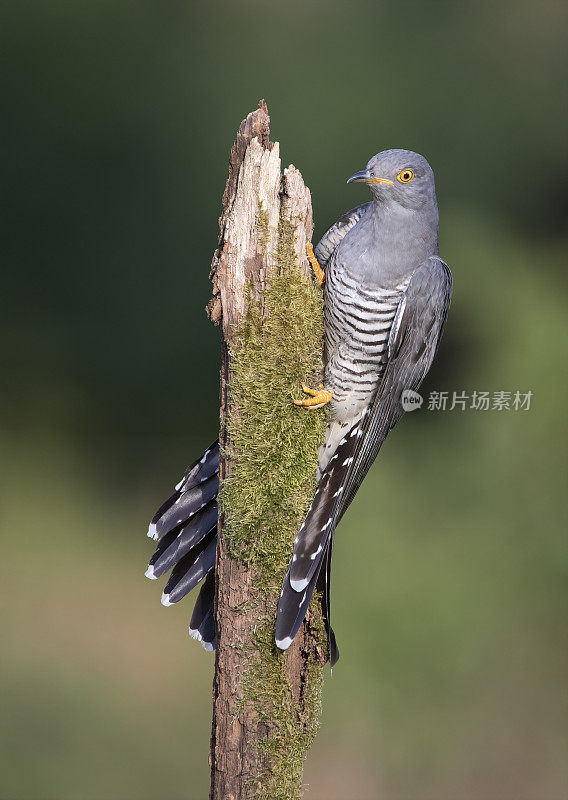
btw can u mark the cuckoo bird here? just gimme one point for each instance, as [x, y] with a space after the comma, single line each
[386, 297]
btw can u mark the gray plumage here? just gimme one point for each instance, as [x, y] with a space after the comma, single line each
[387, 293]
[327, 244]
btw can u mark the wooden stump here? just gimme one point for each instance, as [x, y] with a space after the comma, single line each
[265, 702]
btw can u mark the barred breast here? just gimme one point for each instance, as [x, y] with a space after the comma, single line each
[358, 320]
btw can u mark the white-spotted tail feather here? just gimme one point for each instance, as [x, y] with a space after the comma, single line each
[312, 547]
[185, 527]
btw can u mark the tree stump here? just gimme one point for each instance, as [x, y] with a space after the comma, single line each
[266, 703]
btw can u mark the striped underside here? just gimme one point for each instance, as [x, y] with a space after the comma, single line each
[357, 326]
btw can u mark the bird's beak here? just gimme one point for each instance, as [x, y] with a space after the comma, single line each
[364, 176]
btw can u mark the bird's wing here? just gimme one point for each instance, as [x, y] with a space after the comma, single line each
[335, 234]
[413, 341]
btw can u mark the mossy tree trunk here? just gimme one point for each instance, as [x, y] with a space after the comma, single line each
[266, 703]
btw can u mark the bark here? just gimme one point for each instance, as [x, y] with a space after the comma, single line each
[255, 186]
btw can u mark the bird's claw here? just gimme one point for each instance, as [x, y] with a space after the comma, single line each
[318, 397]
[318, 271]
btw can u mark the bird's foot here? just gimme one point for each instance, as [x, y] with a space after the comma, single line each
[318, 397]
[318, 271]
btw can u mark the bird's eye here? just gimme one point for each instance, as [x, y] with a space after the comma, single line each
[405, 176]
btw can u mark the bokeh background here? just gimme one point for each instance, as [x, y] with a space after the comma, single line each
[449, 571]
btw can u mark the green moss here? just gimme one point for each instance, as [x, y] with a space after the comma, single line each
[275, 445]
[275, 442]
[266, 689]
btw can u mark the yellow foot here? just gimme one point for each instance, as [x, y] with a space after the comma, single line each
[318, 271]
[319, 397]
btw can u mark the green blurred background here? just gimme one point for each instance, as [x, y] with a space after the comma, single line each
[449, 573]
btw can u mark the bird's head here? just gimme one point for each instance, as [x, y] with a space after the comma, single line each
[399, 176]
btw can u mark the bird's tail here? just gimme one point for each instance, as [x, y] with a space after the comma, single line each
[310, 566]
[185, 527]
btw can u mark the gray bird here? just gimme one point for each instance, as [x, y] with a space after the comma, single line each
[387, 294]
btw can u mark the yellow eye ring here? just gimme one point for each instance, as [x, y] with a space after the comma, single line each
[405, 176]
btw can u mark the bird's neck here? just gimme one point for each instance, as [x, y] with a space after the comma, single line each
[395, 240]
